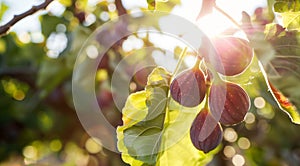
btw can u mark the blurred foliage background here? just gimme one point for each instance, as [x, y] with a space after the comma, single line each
[39, 125]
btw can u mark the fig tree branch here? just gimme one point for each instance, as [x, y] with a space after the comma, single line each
[5, 28]
[227, 15]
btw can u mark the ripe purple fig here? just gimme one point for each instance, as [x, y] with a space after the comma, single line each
[206, 133]
[189, 88]
[228, 102]
[233, 55]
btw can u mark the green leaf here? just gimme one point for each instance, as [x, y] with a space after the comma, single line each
[291, 20]
[49, 24]
[284, 69]
[177, 147]
[151, 4]
[3, 9]
[162, 5]
[155, 128]
[254, 80]
[143, 117]
[52, 72]
[66, 3]
[290, 12]
[286, 6]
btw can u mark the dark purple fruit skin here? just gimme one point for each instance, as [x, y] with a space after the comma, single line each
[233, 55]
[213, 139]
[229, 102]
[189, 88]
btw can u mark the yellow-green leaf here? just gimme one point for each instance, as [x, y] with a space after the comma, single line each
[162, 5]
[156, 128]
[143, 115]
[291, 20]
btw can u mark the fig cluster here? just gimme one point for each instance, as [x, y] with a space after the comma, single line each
[226, 102]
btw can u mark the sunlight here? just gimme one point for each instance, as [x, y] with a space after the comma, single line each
[214, 24]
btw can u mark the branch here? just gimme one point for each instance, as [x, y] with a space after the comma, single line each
[228, 16]
[120, 8]
[5, 28]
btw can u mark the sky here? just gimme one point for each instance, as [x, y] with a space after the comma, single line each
[188, 9]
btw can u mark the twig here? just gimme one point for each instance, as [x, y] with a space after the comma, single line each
[228, 16]
[5, 28]
[120, 8]
[181, 57]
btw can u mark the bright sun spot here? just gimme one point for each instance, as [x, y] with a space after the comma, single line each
[214, 23]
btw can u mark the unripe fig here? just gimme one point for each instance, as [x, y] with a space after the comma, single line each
[206, 133]
[188, 88]
[228, 103]
[233, 55]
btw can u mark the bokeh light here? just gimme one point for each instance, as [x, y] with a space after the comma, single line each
[249, 118]
[230, 135]
[238, 160]
[259, 102]
[229, 151]
[92, 51]
[244, 143]
[55, 145]
[93, 145]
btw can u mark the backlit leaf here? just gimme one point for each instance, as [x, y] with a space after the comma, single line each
[3, 9]
[155, 128]
[143, 117]
[162, 5]
[254, 80]
[291, 20]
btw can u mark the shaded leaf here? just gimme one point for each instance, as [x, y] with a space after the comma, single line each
[49, 24]
[284, 69]
[286, 6]
[290, 12]
[52, 72]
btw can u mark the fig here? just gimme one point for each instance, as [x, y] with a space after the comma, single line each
[189, 88]
[233, 55]
[206, 133]
[228, 103]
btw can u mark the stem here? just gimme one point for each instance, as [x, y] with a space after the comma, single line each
[197, 64]
[216, 78]
[228, 16]
[206, 97]
[183, 53]
[181, 57]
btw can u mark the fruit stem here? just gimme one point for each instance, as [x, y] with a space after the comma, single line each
[227, 15]
[197, 64]
[206, 97]
[180, 60]
[215, 76]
